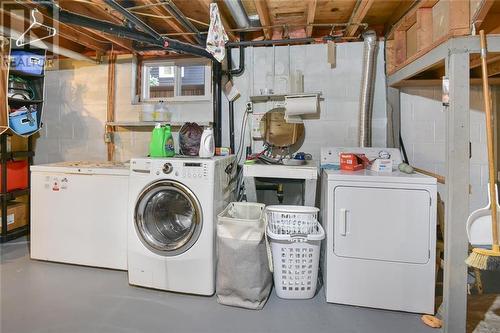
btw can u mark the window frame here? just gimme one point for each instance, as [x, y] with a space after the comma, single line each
[177, 63]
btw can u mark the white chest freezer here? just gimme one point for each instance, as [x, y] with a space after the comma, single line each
[381, 239]
[79, 213]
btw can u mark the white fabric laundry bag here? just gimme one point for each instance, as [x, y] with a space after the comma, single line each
[243, 278]
[217, 37]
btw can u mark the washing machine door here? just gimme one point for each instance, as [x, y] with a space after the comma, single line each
[168, 218]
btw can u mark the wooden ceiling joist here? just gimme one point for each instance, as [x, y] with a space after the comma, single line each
[311, 13]
[170, 22]
[263, 12]
[481, 12]
[358, 16]
[97, 11]
[63, 30]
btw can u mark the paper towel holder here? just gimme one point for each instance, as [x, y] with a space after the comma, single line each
[294, 116]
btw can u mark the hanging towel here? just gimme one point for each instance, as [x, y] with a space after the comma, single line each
[217, 36]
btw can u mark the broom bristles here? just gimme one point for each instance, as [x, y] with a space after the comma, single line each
[486, 260]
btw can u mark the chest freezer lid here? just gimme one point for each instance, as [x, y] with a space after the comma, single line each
[85, 167]
[379, 177]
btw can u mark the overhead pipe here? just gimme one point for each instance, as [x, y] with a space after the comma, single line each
[367, 87]
[165, 43]
[238, 13]
[277, 41]
[133, 19]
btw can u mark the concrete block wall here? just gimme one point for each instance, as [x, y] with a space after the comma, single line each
[337, 121]
[75, 112]
[423, 128]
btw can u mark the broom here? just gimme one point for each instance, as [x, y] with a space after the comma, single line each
[486, 259]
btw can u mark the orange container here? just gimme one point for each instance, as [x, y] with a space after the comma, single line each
[352, 162]
[17, 175]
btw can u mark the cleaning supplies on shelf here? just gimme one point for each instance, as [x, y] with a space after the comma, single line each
[161, 112]
[207, 144]
[157, 143]
[169, 142]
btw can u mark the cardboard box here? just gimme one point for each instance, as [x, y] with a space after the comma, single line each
[17, 215]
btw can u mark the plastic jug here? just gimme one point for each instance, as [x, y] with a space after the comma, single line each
[169, 142]
[207, 143]
[157, 143]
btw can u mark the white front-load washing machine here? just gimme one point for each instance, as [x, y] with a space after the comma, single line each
[173, 206]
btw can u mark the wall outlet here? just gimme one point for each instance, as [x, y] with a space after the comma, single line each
[256, 135]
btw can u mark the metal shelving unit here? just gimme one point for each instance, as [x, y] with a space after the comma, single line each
[6, 196]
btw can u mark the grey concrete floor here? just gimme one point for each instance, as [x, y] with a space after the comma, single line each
[47, 297]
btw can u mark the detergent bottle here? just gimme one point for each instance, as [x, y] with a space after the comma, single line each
[157, 143]
[207, 144]
[169, 142]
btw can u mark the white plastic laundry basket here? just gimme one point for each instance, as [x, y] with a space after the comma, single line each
[295, 240]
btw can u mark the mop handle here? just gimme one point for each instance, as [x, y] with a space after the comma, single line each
[489, 135]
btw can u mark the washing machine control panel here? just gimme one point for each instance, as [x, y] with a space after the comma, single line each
[194, 170]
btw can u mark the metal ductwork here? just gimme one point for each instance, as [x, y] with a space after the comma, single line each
[367, 87]
[238, 13]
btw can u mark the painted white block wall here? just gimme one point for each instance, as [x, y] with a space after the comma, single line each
[337, 122]
[75, 111]
[423, 128]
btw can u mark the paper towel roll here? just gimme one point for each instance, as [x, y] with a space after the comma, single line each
[300, 105]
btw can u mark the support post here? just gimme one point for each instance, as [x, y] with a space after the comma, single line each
[110, 114]
[457, 185]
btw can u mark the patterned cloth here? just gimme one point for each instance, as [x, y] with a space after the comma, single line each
[217, 36]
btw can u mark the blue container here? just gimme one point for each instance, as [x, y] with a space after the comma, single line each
[27, 62]
[24, 123]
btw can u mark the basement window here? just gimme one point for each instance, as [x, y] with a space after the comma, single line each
[176, 80]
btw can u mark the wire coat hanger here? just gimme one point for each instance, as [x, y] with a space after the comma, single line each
[35, 24]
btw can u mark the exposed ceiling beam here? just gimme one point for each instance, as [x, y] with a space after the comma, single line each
[205, 5]
[311, 12]
[63, 30]
[265, 20]
[358, 16]
[98, 12]
[162, 11]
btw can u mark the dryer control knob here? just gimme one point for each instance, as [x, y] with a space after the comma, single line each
[167, 168]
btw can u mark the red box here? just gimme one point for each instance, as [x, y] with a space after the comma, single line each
[17, 175]
[352, 162]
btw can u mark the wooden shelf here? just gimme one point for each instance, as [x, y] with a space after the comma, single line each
[23, 101]
[278, 97]
[18, 154]
[11, 195]
[24, 74]
[151, 123]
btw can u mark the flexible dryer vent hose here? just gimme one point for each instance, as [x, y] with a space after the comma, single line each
[367, 86]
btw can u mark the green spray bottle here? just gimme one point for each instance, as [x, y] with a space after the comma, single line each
[157, 143]
[169, 142]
